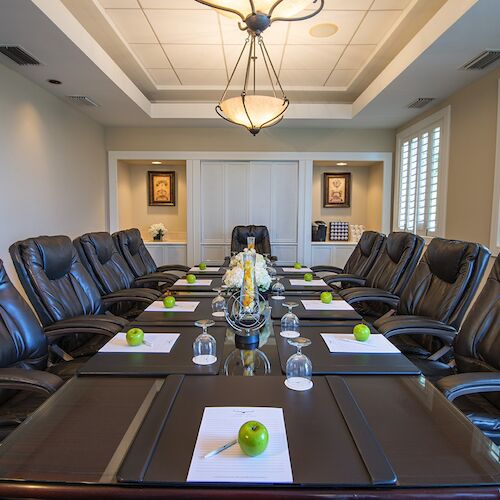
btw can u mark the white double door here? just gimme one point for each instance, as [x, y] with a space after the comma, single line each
[248, 192]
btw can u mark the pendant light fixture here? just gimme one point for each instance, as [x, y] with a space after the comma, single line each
[250, 109]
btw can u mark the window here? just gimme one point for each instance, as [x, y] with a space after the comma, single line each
[421, 172]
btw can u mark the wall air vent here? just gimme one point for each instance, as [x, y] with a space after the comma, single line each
[420, 102]
[82, 100]
[483, 60]
[19, 55]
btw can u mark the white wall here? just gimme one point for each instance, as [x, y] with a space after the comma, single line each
[52, 166]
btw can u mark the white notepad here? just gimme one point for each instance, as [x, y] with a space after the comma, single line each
[346, 343]
[183, 282]
[219, 426]
[159, 343]
[334, 305]
[293, 270]
[206, 270]
[185, 306]
[303, 282]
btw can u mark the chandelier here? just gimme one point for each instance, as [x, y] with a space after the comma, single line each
[250, 109]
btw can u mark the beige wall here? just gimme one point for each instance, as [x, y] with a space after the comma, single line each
[472, 158]
[134, 210]
[52, 166]
[374, 197]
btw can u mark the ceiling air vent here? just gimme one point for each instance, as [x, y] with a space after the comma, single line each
[19, 55]
[82, 100]
[420, 102]
[483, 60]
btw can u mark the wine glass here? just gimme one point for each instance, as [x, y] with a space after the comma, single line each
[278, 289]
[204, 346]
[299, 367]
[218, 304]
[290, 322]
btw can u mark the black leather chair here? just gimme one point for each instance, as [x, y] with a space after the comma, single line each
[260, 233]
[432, 306]
[64, 295]
[25, 380]
[358, 265]
[389, 275]
[475, 387]
[131, 246]
[113, 277]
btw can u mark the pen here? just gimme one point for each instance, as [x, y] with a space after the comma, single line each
[222, 448]
[146, 342]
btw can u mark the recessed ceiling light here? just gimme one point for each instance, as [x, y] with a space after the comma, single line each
[156, 162]
[341, 163]
[323, 30]
[54, 82]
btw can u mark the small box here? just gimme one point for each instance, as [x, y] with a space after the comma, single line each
[339, 231]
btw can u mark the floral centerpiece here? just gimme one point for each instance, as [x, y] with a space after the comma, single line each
[233, 278]
[157, 231]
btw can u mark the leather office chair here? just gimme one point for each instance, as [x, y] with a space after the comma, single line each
[131, 246]
[475, 387]
[260, 233]
[113, 277]
[435, 299]
[63, 294]
[359, 263]
[390, 273]
[25, 381]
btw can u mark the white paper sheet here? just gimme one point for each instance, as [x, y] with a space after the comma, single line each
[184, 306]
[346, 343]
[160, 343]
[293, 270]
[334, 305]
[207, 270]
[183, 282]
[302, 282]
[221, 425]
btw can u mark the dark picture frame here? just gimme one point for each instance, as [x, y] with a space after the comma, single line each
[161, 190]
[337, 190]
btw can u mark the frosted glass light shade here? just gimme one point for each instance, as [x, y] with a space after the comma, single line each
[287, 8]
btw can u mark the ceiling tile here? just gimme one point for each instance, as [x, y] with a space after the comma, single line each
[355, 56]
[347, 23]
[151, 55]
[390, 4]
[347, 4]
[164, 76]
[311, 56]
[310, 77]
[132, 25]
[341, 78]
[375, 26]
[231, 34]
[119, 4]
[185, 26]
[202, 77]
[171, 4]
[195, 56]
[232, 53]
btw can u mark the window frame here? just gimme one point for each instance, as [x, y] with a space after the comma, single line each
[495, 214]
[443, 116]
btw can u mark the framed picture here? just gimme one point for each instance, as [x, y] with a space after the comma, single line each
[161, 188]
[337, 190]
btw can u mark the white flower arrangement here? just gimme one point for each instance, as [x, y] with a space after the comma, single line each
[234, 275]
[237, 260]
[157, 230]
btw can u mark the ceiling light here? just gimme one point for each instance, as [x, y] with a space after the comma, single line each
[341, 164]
[156, 162]
[323, 30]
[54, 82]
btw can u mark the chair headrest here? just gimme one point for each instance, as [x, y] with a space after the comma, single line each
[134, 240]
[102, 243]
[398, 243]
[57, 254]
[366, 242]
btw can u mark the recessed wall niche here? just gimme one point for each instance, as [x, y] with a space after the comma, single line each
[133, 207]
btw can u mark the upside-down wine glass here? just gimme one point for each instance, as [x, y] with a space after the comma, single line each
[299, 367]
[290, 322]
[204, 346]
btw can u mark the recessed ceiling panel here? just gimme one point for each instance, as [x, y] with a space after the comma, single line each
[311, 56]
[298, 77]
[133, 25]
[164, 76]
[355, 56]
[119, 4]
[171, 4]
[375, 26]
[202, 76]
[390, 4]
[151, 55]
[341, 77]
[195, 56]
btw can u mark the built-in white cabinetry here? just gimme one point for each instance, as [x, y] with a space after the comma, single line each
[167, 252]
[331, 253]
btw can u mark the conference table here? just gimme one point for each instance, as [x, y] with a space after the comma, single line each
[127, 425]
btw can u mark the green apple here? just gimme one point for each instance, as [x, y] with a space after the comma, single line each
[326, 297]
[135, 337]
[361, 332]
[202, 266]
[169, 301]
[297, 265]
[191, 278]
[253, 438]
[308, 277]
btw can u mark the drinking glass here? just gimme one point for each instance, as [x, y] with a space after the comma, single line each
[278, 289]
[251, 242]
[289, 322]
[204, 346]
[299, 367]
[218, 304]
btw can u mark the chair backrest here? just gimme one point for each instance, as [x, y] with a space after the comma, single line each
[260, 233]
[105, 264]
[445, 281]
[22, 341]
[130, 244]
[56, 282]
[477, 346]
[396, 262]
[364, 254]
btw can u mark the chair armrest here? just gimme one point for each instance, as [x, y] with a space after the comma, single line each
[104, 325]
[29, 380]
[156, 277]
[416, 325]
[326, 269]
[141, 295]
[361, 294]
[173, 267]
[455, 386]
[345, 278]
